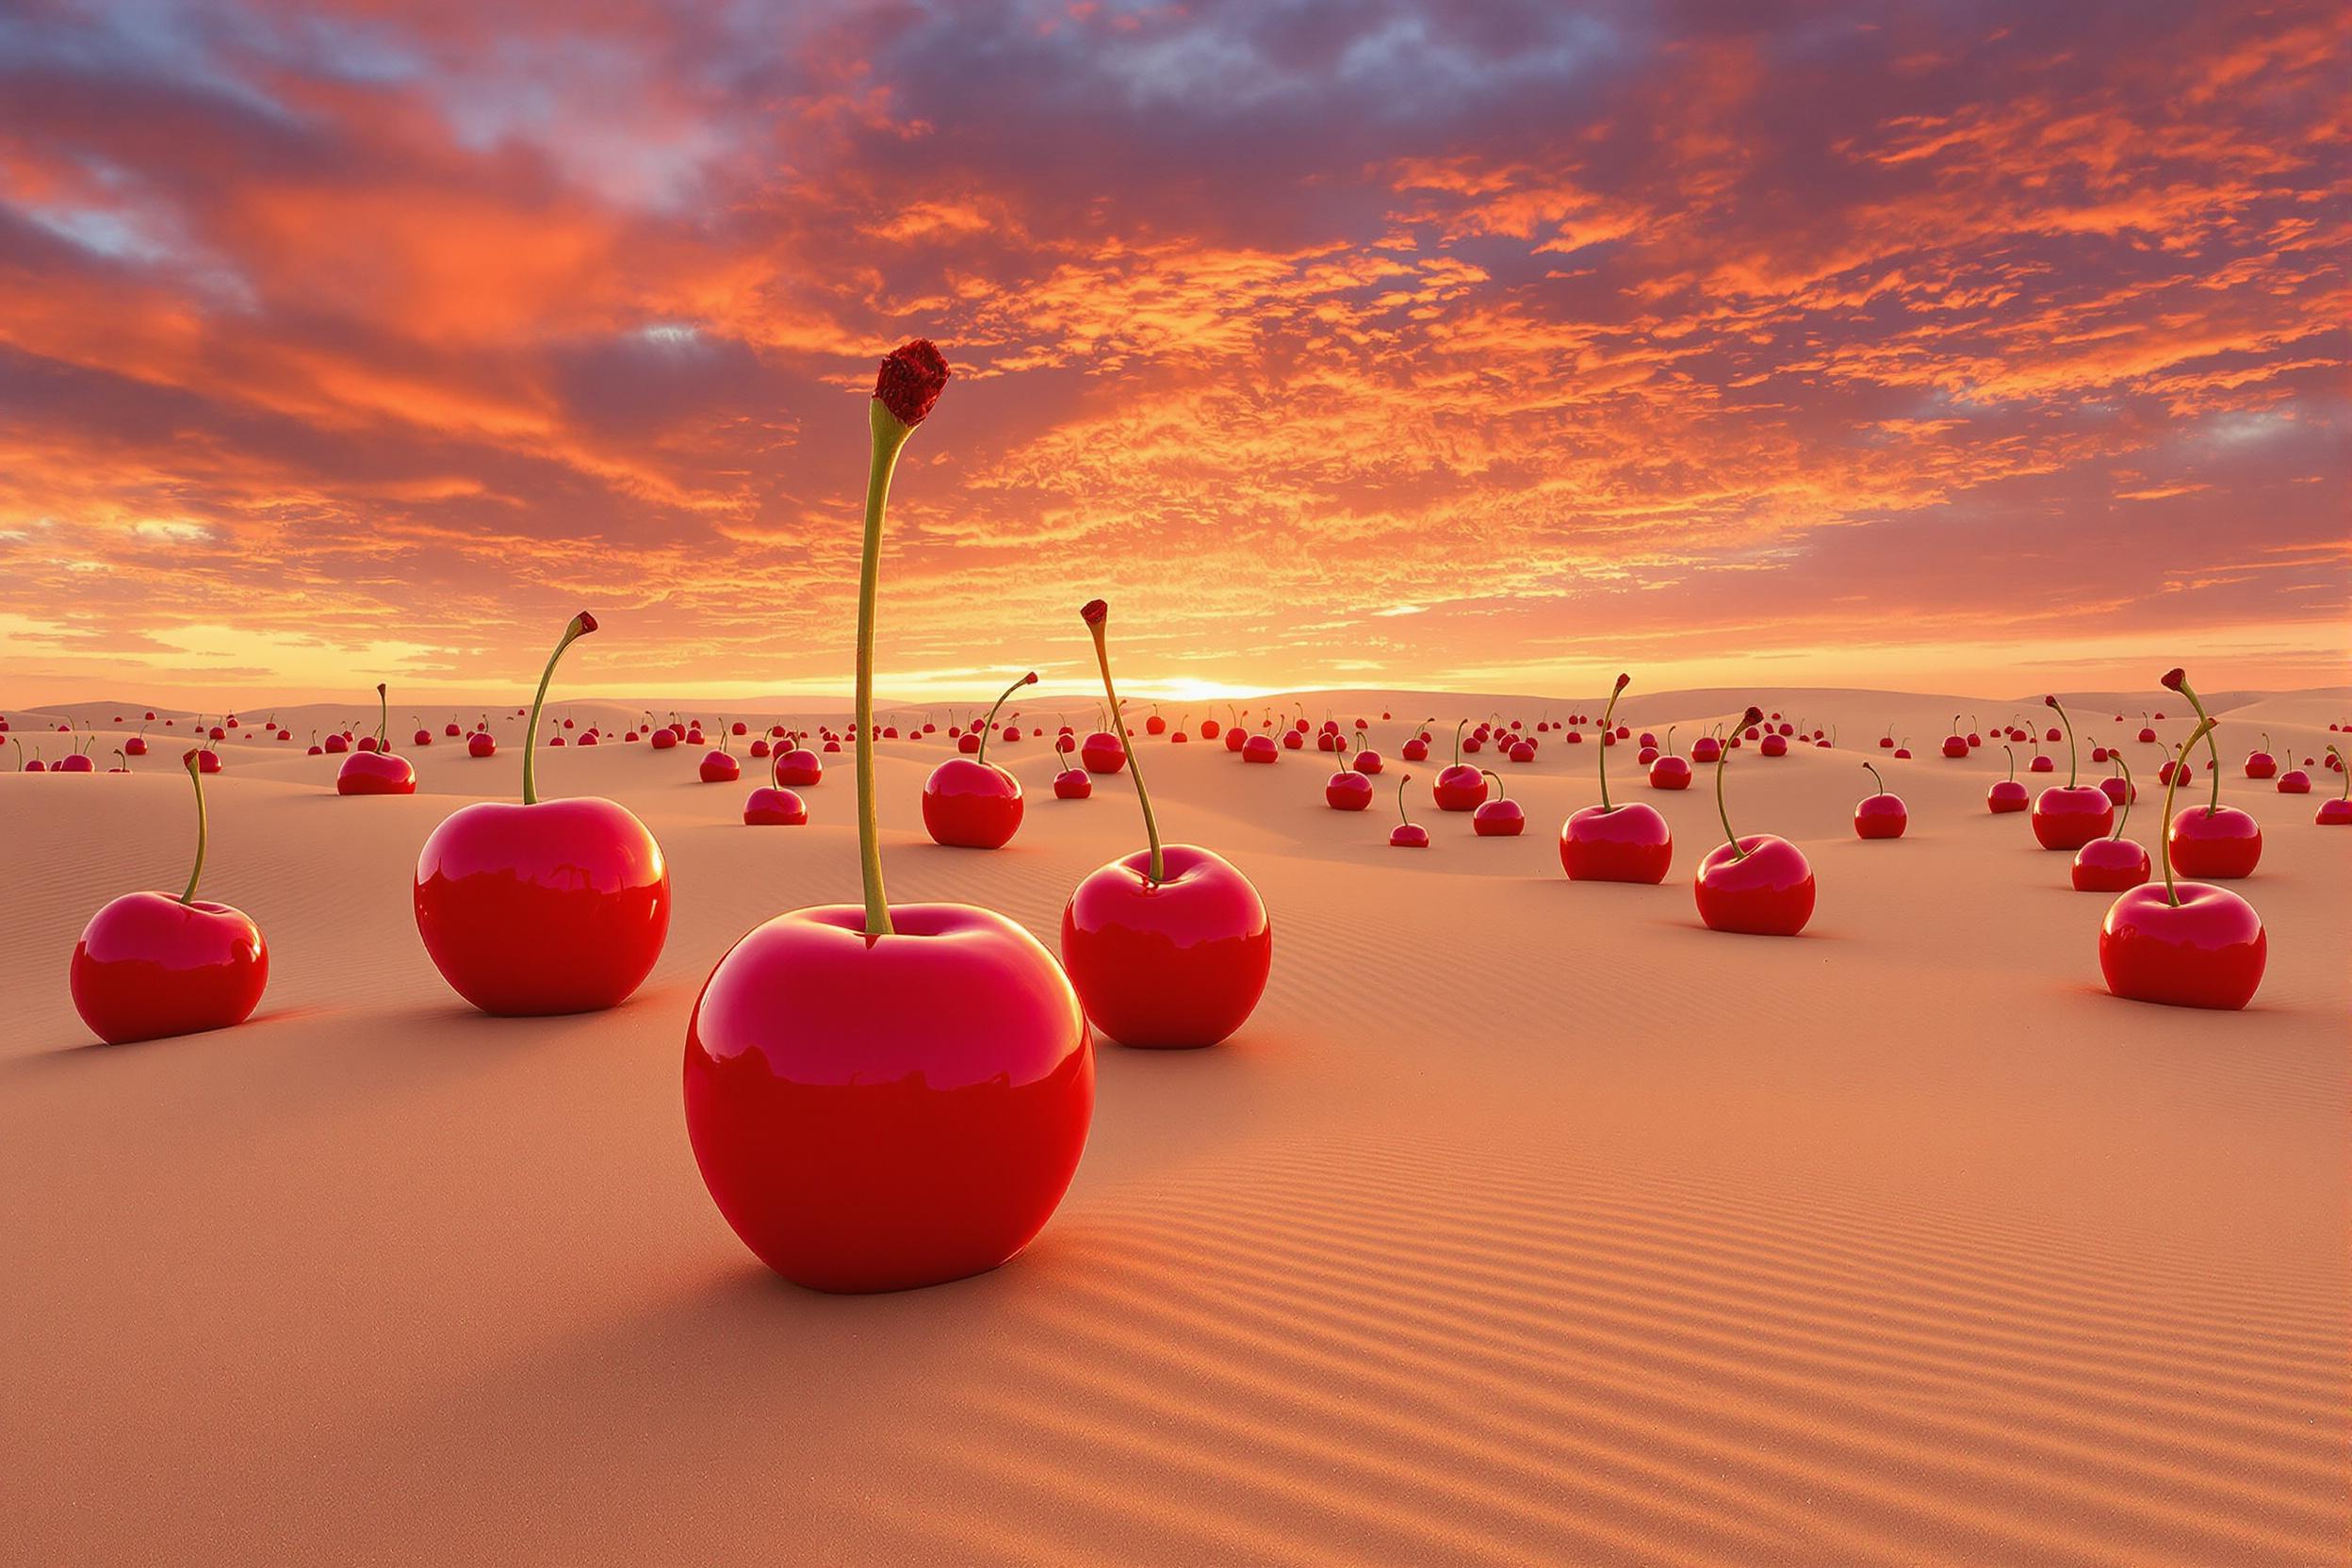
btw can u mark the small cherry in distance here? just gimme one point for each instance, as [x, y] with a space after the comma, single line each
[1757, 886]
[1669, 771]
[1348, 789]
[2115, 863]
[718, 765]
[1408, 834]
[376, 771]
[1878, 814]
[771, 804]
[2184, 944]
[2070, 816]
[1620, 843]
[1073, 782]
[149, 965]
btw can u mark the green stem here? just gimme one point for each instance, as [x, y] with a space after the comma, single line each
[2013, 762]
[888, 437]
[2069, 723]
[1457, 729]
[1602, 760]
[2213, 749]
[574, 630]
[1722, 759]
[204, 834]
[2125, 815]
[383, 718]
[2172, 786]
[2342, 768]
[1134, 762]
[1402, 781]
[1498, 781]
[989, 728]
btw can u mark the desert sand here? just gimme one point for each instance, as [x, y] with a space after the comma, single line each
[1526, 1222]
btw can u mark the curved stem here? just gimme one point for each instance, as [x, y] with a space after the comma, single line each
[890, 435]
[2340, 767]
[1722, 759]
[989, 728]
[574, 630]
[204, 834]
[1402, 781]
[2125, 815]
[2069, 723]
[2172, 786]
[1498, 783]
[1457, 729]
[383, 718]
[2212, 750]
[2013, 761]
[1670, 739]
[1875, 779]
[1098, 626]
[1601, 761]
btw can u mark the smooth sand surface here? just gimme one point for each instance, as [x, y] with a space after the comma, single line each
[1526, 1222]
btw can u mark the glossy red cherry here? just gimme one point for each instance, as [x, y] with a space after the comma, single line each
[149, 965]
[2336, 812]
[2007, 794]
[2212, 840]
[556, 906]
[2112, 864]
[1460, 787]
[2071, 815]
[1407, 834]
[2261, 765]
[773, 806]
[1879, 815]
[479, 743]
[1618, 844]
[718, 765]
[1348, 789]
[1760, 885]
[2184, 944]
[1168, 947]
[855, 1147]
[856, 1144]
[1102, 752]
[376, 771]
[1956, 744]
[1416, 746]
[971, 803]
[1500, 818]
[1772, 745]
[1261, 749]
[1667, 770]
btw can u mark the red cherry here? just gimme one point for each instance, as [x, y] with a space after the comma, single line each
[1618, 844]
[2218, 842]
[149, 965]
[1766, 889]
[1879, 815]
[2110, 866]
[481, 744]
[855, 1149]
[969, 804]
[558, 906]
[1500, 818]
[1668, 771]
[2206, 951]
[1259, 749]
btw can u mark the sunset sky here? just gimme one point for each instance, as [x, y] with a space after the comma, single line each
[1986, 348]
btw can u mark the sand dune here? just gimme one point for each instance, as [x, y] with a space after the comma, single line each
[1526, 1222]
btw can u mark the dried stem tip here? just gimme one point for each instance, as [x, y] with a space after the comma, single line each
[911, 380]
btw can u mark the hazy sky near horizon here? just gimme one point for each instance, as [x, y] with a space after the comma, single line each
[1390, 344]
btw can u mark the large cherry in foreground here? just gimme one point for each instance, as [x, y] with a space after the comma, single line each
[149, 965]
[555, 906]
[857, 1142]
[2070, 816]
[1168, 947]
[1619, 844]
[1761, 885]
[971, 803]
[2187, 944]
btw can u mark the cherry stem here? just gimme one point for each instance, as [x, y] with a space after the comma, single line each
[1670, 739]
[989, 728]
[2013, 762]
[2125, 815]
[574, 630]
[1134, 762]
[2340, 767]
[1722, 758]
[2213, 749]
[383, 718]
[1875, 779]
[1498, 783]
[203, 836]
[1601, 761]
[890, 435]
[2172, 786]
[1457, 729]
[1402, 781]
[2069, 723]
